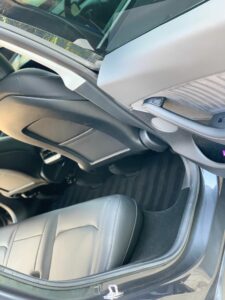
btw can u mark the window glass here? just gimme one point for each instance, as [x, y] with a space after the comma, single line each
[96, 25]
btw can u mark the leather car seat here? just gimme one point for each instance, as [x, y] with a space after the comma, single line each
[73, 242]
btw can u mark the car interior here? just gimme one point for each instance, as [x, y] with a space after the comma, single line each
[79, 177]
[86, 190]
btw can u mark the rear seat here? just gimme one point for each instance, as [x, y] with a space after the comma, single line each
[73, 242]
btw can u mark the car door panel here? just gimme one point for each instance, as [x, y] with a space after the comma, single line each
[170, 64]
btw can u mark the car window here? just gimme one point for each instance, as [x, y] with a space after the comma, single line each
[96, 25]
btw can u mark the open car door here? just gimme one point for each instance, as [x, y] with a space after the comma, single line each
[173, 79]
[163, 82]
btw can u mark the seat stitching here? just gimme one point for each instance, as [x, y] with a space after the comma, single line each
[99, 244]
[79, 227]
[113, 235]
[10, 246]
[47, 246]
[26, 238]
[3, 246]
[56, 227]
[133, 230]
[35, 263]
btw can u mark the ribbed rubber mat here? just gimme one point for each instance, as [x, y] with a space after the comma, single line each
[155, 186]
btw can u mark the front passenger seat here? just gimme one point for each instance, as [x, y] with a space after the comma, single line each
[73, 242]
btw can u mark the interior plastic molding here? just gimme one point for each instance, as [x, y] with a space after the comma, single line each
[170, 55]
[182, 141]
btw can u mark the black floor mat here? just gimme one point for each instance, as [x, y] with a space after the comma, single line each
[155, 185]
[160, 230]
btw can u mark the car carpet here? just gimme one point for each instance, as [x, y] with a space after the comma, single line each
[156, 185]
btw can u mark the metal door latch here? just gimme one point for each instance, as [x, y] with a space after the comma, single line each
[113, 293]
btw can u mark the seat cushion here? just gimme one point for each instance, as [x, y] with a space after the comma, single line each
[73, 242]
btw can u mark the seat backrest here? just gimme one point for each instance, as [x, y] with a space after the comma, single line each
[36, 108]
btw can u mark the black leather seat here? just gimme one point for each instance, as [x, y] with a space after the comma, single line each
[73, 242]
[44, 113]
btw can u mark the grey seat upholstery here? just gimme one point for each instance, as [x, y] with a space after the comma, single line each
[73, 242]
